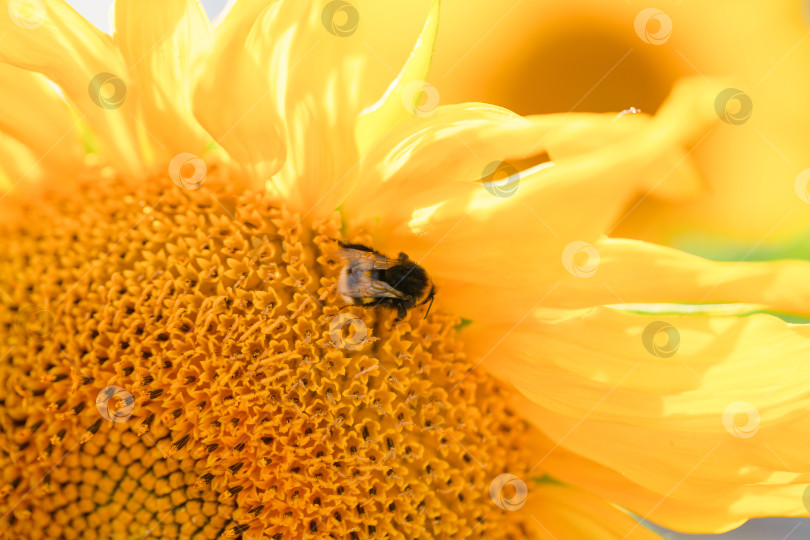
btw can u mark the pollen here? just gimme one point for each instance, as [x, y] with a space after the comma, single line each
[176, 363]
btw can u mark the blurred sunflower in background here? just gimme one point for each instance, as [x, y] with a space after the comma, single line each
[176, 361]
[587, 55]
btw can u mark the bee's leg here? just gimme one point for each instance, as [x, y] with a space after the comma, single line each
[401, 313]
[403, 256]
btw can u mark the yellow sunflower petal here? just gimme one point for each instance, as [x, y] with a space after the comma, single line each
[684, 120]
[573, 134]
[59, 43]
[704, 412]
[34, 114]
[402, 171]
[565, 512]
[17, 162]
[314, 80]
[389, 110]
[562, 208]
[323, 72]
[631, 271]
[161, 41]
[233, 97]
[573, 469]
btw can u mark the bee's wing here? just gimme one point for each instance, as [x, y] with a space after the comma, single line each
[367, 260]
[378, 289]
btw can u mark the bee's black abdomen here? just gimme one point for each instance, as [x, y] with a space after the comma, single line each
[408, 277]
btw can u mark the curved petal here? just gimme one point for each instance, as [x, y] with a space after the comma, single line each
[708, 413]
[161, 41]
[620, 271]
[290, 103]
[83, 61]
[232, 97]
[574, 202]
[565, 512]
[402, 171]
[389, 111]
[631, 271]
[17, 162]
[35, 115]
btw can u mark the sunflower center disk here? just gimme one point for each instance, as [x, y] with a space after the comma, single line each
[176, 364]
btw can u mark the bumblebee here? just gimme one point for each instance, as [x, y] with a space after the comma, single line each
[369, 278]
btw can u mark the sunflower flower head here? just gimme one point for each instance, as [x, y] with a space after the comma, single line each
[204, 381]
[178, 363]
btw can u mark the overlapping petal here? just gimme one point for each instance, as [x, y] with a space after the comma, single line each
[283, 90]
[437, 158]
[703, 413]
[83, 61]
[35, 115]
[577, 199]
[161, 42]
[631, 271]
[17, 162]
[565, 512]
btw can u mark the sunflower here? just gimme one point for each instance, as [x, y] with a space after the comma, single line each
[177, 362]
[757, 168]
